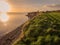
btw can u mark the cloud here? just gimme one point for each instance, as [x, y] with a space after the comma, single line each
[32, 5]
[50, 7]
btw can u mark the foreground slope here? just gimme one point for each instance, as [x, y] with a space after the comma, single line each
[43, 29]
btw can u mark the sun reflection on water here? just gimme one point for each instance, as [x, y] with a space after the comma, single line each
[4, 17]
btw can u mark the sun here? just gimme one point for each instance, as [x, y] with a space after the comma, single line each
[4, 8]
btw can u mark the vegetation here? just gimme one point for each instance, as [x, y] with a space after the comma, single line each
[44, 29]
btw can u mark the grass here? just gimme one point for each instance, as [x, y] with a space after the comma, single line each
[43, 29]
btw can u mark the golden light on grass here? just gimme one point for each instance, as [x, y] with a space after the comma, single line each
[4, 8]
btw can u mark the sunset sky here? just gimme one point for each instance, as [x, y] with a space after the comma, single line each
[33, 5]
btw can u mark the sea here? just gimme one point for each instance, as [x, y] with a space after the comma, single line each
[15, 20]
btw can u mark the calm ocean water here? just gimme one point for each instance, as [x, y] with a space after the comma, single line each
[14, 21]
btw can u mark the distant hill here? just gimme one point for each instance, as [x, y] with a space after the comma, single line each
[43, 29]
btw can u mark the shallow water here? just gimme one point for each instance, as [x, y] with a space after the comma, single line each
[14, 21]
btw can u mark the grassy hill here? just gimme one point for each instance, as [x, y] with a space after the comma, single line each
[43, 29]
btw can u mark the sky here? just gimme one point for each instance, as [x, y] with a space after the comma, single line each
[33, 5]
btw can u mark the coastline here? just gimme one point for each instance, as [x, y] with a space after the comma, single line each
[14, 36]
